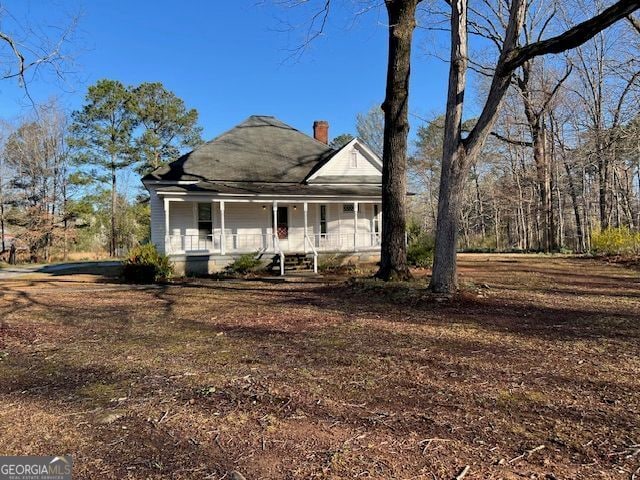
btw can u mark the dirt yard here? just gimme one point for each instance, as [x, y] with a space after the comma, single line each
[533, 373]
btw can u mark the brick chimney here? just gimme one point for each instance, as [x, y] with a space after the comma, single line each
[321, 131]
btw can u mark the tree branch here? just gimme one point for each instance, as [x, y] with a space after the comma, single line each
[502, 138]
[511, 141]
[573, 37]
[21, 66]
[556, 88]
[634, 22]
[500, 82]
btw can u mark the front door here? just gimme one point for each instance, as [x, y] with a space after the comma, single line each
[282, 226]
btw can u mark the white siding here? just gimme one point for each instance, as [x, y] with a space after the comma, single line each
[247, 226]
[333, 217]
[247, 218]
[182, 219]
[313, 219]
[364, 218]
[342, 165]
[157, 220]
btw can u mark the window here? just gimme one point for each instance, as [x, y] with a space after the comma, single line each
[205, 223]
[348, 208]
[323, 219]
[376, 218]
[354, 159]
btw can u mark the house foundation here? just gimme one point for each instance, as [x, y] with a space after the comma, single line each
[206, 264]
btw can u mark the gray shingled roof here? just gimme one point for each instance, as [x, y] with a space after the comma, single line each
[260, 149]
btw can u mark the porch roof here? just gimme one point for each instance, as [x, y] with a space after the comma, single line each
[285, 189]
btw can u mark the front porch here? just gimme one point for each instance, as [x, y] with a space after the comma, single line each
[239, 243]
[212, 226]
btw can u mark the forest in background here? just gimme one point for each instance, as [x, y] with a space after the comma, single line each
[70, 184]
[561, 168]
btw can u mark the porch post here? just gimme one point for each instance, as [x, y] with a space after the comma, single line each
[223, 235]
[274, 227]
[355, 226]
[306, 209]
[380, 220]
[166, 226]
[213, 226]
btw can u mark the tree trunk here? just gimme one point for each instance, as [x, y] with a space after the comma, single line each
[65, 220]
[457, 155]
[483, 225]
[541, 159]
[638, 171]
[496, 225]
[627, 192]
[559, 243]
[586, 191]
[445, 274]
[113, 243]
[393, 255]
[555, 181]
[520, 218]
[544, 181]
[555, 229]
[12, 254]
[3, 247]
[445, 268]
[465, 226]
[580, 243]
[603, 181]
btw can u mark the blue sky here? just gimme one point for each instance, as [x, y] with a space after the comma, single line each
[232, 59]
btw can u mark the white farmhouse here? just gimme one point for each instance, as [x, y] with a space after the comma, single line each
[264, 187]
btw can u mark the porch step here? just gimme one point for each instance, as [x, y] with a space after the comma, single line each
[294, 262]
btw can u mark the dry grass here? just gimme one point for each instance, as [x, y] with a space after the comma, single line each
[329, 381]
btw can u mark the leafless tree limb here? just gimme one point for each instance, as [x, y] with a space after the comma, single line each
[30, 56]
[635, 23]
[573, 37]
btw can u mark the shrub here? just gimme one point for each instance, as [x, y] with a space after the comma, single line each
[244, 263]
[336, 264]
[615, 241]
[145, 265]
[420, 251]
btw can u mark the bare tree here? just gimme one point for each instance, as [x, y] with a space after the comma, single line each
[370, 129]
[606, 79]
[458, 152]
[26, 51]
[4, 178]
[37, 156]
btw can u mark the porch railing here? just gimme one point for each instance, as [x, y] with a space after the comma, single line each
[279, 252]
[341, 242]
[257, 242]
[307, 241]
[237, 243]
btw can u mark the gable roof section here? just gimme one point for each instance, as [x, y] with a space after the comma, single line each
[337, 168]
[260, 149]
